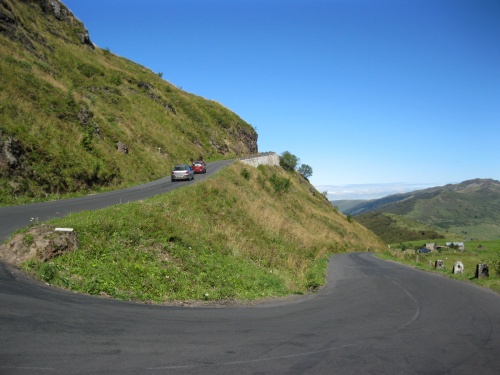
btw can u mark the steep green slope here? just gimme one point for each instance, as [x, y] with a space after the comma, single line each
[470, 209]
[393, 228]
[245, 233]
[76, 118]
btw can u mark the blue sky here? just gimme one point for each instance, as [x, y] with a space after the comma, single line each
[366, 92]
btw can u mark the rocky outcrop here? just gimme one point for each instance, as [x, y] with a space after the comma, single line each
[55, 8]
[7, 18]
[249, 138]
[11, 153]
[122, 147]
[12, 25]
[61, 13]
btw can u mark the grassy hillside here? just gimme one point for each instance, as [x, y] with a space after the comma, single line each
[470, 209]
[75, 118]
[245, 233]
[393, 228]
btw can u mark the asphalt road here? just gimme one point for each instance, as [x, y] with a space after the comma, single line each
[15, 217]
[372, 317]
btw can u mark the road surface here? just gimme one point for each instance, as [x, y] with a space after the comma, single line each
[372, 317]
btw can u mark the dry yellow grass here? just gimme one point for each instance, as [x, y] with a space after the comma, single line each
[288, 231]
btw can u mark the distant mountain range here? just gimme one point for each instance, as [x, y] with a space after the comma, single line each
[470, 208]
[365, 192]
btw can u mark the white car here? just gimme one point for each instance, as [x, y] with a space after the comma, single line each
[182, 172]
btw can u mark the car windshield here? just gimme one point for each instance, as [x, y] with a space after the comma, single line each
[197, 165]
[180, 168]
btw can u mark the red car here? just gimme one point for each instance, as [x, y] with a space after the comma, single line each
[199, 167]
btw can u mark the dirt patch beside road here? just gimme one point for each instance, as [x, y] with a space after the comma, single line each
[41, 242]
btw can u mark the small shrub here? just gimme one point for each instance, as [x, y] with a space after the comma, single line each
[116, 79]
[245, 174]
[88, 135]
[305, 170]
[280, 184]
[89, 71]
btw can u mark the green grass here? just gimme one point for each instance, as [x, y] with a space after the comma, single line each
[231, 236]
[475, 252]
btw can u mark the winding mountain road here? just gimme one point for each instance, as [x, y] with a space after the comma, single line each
[14, 217]
[372, 317]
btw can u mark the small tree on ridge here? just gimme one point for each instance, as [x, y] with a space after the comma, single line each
[305, 170]
[288, 161]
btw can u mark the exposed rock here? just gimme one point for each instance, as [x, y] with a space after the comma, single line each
[41, 243]
[249, 138]
[222, 149]
[55, 8]
[7, 18]
[11, 152]
[122, 147]
[60, 12]
[84, 38]
[84, 116]
[169, 107]
[154, 97]
[145, 85]
[12, 27]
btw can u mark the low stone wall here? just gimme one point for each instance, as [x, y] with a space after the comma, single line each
[268, 158]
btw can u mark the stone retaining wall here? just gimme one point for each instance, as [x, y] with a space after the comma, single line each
[268, 158]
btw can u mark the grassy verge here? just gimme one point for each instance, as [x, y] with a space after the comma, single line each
[475, 252]
[246, 233]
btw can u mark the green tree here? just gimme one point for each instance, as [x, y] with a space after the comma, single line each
[305, 170]
[288, 161]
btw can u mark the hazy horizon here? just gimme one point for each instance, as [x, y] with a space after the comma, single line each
[371, 191]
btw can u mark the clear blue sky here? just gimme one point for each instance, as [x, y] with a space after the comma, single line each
[363, 91]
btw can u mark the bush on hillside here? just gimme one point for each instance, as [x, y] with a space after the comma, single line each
[288, 161]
